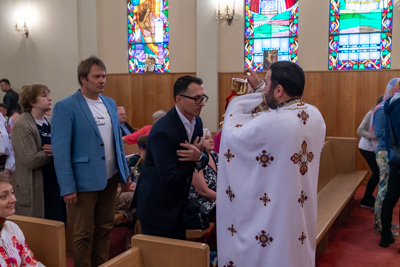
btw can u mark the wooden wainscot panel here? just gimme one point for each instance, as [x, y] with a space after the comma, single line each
[142, 94]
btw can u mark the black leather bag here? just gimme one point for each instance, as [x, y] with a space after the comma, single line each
[195, 219]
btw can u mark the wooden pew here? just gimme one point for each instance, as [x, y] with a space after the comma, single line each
[153, 251]
[46, 239]
[338, 180]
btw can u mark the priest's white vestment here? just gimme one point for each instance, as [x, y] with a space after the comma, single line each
[267, 183]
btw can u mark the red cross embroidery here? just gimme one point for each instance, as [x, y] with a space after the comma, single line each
[264, 239]
[301, 103]
[302, 238]
[302, 158]
[238, 125]
[232, 230]
[264, 158]
[303, 116]
[230, 194]
[302, 199]
[265, 199]
[230, 264]
[228, 155]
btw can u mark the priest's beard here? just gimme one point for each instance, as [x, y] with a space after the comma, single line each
[272, 102]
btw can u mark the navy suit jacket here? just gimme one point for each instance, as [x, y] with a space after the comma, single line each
[164, 183]
[78, 148]
[130, 129]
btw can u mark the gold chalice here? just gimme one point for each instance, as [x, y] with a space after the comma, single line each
[239, 86]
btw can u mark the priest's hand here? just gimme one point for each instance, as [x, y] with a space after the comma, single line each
[252, 77]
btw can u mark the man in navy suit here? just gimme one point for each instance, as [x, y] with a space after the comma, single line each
[124, 125]
[90, 161]
[174, 150]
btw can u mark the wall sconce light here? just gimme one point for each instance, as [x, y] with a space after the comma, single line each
[22, 28]
[226, 10]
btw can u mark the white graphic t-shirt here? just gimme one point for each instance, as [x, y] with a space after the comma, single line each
[103, 121]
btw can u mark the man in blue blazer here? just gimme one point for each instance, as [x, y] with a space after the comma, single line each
[174, 151]
[90, 161]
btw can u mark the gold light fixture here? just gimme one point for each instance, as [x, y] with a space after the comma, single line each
[226, 10]
[21, 27]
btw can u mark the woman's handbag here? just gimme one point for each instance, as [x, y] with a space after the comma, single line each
[195, 218]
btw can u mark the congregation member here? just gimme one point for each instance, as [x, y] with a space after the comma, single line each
[268, 173]
[124, 201]
[10, 99]
[14, 249]
[124, 125]
[392, 127]
[90, 161]
[15, 114]
[174, 151]
[367, 146]
[217, 140]
[36, 184]
[378, 127]
[7, 160]
[203, 191]
[3, 110]
[145, 130]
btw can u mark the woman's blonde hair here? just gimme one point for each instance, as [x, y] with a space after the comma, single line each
[205, 131]
[28, 94]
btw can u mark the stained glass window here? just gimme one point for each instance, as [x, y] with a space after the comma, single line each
[360, 34]
[271, 32]
[148, 36]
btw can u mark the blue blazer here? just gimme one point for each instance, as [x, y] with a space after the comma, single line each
[164, 183]
[78, 148]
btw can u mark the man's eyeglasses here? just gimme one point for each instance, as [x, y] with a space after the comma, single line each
[197, 100]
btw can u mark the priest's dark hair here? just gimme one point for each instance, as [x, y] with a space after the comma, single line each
[290, 76]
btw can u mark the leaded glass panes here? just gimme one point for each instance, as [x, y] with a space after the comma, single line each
[360, 34]
[270, 25]
[148, 36]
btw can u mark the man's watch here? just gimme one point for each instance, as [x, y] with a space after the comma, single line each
[201, 156]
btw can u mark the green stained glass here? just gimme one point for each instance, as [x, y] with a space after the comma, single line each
[359, 32]
[269, 31]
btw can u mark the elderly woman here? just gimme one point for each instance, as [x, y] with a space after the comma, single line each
[202, 193]
[13, 248]
[36, 184]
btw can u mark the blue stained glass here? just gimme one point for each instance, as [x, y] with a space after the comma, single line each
[364, 29]
[148, 32]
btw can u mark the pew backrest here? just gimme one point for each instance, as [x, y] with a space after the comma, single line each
[153, 251]
[46, 239]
